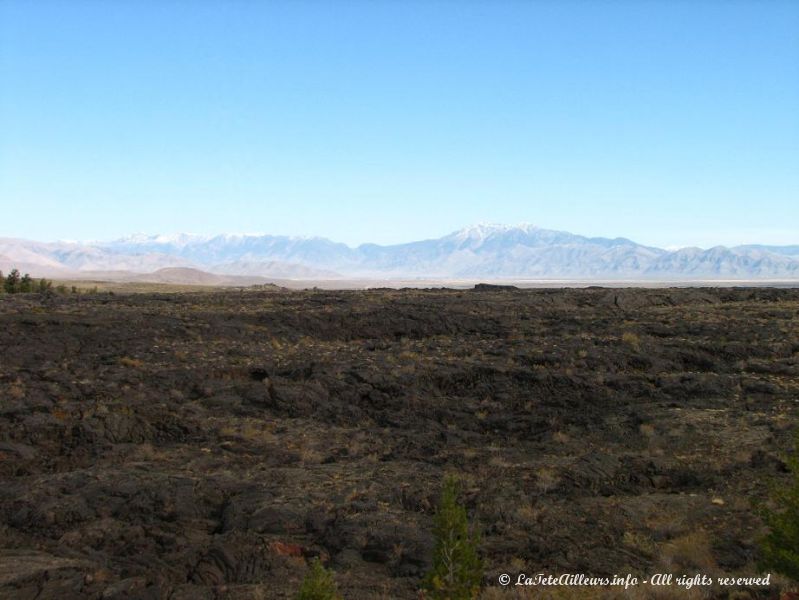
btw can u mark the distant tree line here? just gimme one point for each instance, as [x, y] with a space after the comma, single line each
[14, 283]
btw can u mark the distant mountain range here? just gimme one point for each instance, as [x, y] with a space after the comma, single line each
[478, 252]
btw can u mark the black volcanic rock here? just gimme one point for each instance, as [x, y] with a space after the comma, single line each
[211, 445]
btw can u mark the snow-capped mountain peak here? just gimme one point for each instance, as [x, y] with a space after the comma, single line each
[484, 250]
[481, 231]
[176, 239]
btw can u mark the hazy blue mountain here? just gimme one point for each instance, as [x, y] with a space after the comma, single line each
[480, 251]
[59, 259]
[505, 251]
[785, 250]
[225, 249]
[720, 262]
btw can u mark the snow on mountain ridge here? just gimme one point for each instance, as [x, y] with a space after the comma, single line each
[483, 230]
[482, 250]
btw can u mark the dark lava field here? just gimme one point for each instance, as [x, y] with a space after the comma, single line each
[203, 446]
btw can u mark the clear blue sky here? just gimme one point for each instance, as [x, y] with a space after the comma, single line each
[672, 123]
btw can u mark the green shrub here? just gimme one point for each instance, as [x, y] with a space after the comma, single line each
[318, 584]
[457, 569]
[779, 549]
[26, 284]
[11, 282]
[45, 286]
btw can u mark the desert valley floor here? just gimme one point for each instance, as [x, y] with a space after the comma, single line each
[208, 445]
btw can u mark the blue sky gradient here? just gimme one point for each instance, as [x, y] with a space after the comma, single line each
[671, 123]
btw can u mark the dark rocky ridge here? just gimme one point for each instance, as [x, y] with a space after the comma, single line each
[208, 445]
